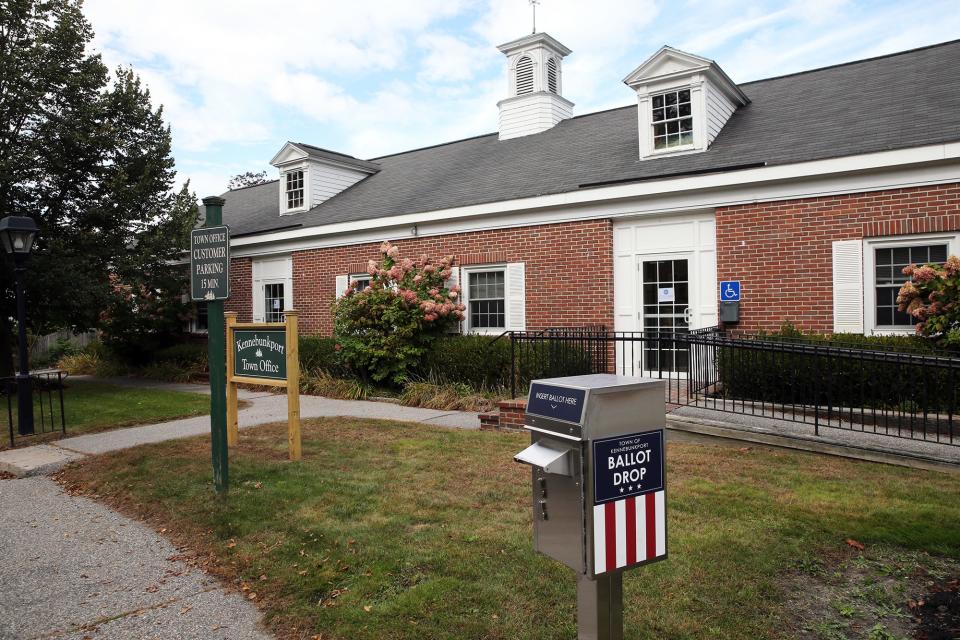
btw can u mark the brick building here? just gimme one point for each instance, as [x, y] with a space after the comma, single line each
[813, 190]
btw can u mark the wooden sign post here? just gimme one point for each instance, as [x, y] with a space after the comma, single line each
[264, 353]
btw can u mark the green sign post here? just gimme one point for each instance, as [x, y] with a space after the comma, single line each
[217, 350]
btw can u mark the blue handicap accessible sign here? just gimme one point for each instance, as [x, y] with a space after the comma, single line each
[730, 290]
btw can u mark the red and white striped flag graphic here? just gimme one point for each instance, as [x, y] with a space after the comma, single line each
[629, 531]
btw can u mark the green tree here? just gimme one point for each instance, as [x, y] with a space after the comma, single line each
[85, 154]
[247, 179]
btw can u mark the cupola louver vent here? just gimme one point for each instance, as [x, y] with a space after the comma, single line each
[552, 75]
[524, 75]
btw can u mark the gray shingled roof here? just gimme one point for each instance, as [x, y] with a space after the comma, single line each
[903, 100]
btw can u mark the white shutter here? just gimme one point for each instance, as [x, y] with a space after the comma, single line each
[258, 313]
[516, 297]
[453, 281]
[848, 286]
[342, 284]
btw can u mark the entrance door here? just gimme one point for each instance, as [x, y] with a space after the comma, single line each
[665, 308]
[273, 300]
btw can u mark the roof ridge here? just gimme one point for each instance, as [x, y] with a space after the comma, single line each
[251, 186]
[853, 62]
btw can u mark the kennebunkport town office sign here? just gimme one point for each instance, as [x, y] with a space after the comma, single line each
[260, 354]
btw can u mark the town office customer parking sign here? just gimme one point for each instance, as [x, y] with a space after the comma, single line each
[260, 354]
[210, 263]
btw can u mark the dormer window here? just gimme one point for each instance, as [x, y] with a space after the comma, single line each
[524, 75]
[294, 189]
[672, 120]
[552, 75]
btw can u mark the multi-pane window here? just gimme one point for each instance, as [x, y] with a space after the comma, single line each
[889, 266]
[672, 120]
[273, 302]
[362, 281]
[294, 189]
[485, 293]
[200, 319]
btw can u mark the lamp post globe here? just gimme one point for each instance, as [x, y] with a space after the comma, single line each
[17, 234]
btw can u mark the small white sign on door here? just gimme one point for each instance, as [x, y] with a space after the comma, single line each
[665, 294]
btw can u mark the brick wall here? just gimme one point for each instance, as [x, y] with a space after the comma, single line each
[782, 251]
[569, 271]
[241, 292]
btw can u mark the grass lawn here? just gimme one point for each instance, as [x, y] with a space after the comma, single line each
[405, 531]
[97, 406]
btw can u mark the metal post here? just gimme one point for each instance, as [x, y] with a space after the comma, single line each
[600, 607]
[218, 368]
[24, 390]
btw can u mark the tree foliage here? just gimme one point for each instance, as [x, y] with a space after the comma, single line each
[247, 179]
[84, 153]
[386, 328]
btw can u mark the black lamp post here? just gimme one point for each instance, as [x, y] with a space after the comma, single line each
[17, 234]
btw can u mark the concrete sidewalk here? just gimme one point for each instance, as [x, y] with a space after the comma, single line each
[264, 407]
[74, 568]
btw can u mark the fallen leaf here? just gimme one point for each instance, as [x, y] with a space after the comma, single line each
[263, 577]
[252, 596]
[367, 607]
[186, 609]
[856, 545]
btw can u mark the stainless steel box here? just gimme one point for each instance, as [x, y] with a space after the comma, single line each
[598, 474]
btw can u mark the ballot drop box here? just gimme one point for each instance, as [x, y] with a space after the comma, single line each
[598, 484]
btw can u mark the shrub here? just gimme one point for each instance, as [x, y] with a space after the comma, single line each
[79, 364]
[186, 354]
[446, 397]
[317, 352]
[836, 379]
[476, 361]
[932, 297]
[384, 330]
[322, 383]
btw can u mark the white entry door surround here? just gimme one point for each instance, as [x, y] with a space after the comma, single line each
[636, 241]
[272, 288]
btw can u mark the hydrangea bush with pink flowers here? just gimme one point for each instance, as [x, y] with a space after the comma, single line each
[383, 330]
[932, 297]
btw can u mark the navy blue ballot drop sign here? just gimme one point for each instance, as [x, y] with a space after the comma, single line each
[629, 465]
[559, 403]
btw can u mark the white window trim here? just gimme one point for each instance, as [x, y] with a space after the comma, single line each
[283, 189]
[870, 326]
[698, 110]
[358, 276]
[465, 297]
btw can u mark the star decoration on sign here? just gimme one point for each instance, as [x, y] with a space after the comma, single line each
[621, 489]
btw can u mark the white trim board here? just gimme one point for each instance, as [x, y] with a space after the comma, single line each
[669, 202]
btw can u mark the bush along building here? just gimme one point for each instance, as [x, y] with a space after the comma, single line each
[812, 190]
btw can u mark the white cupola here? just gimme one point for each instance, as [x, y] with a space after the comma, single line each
[534, 86]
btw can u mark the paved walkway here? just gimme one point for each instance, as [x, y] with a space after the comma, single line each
[73, 568]
[263, 408]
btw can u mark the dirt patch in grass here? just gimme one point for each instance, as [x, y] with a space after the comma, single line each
[879, 592]
[402, 531]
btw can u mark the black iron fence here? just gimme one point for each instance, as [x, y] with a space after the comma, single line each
[48, 407]
[826, 385]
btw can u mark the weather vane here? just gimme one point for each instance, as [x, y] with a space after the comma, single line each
[533, 5]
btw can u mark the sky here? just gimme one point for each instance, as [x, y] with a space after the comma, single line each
[239, 78]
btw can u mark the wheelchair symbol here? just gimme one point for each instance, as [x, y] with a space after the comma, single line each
[730, 290]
